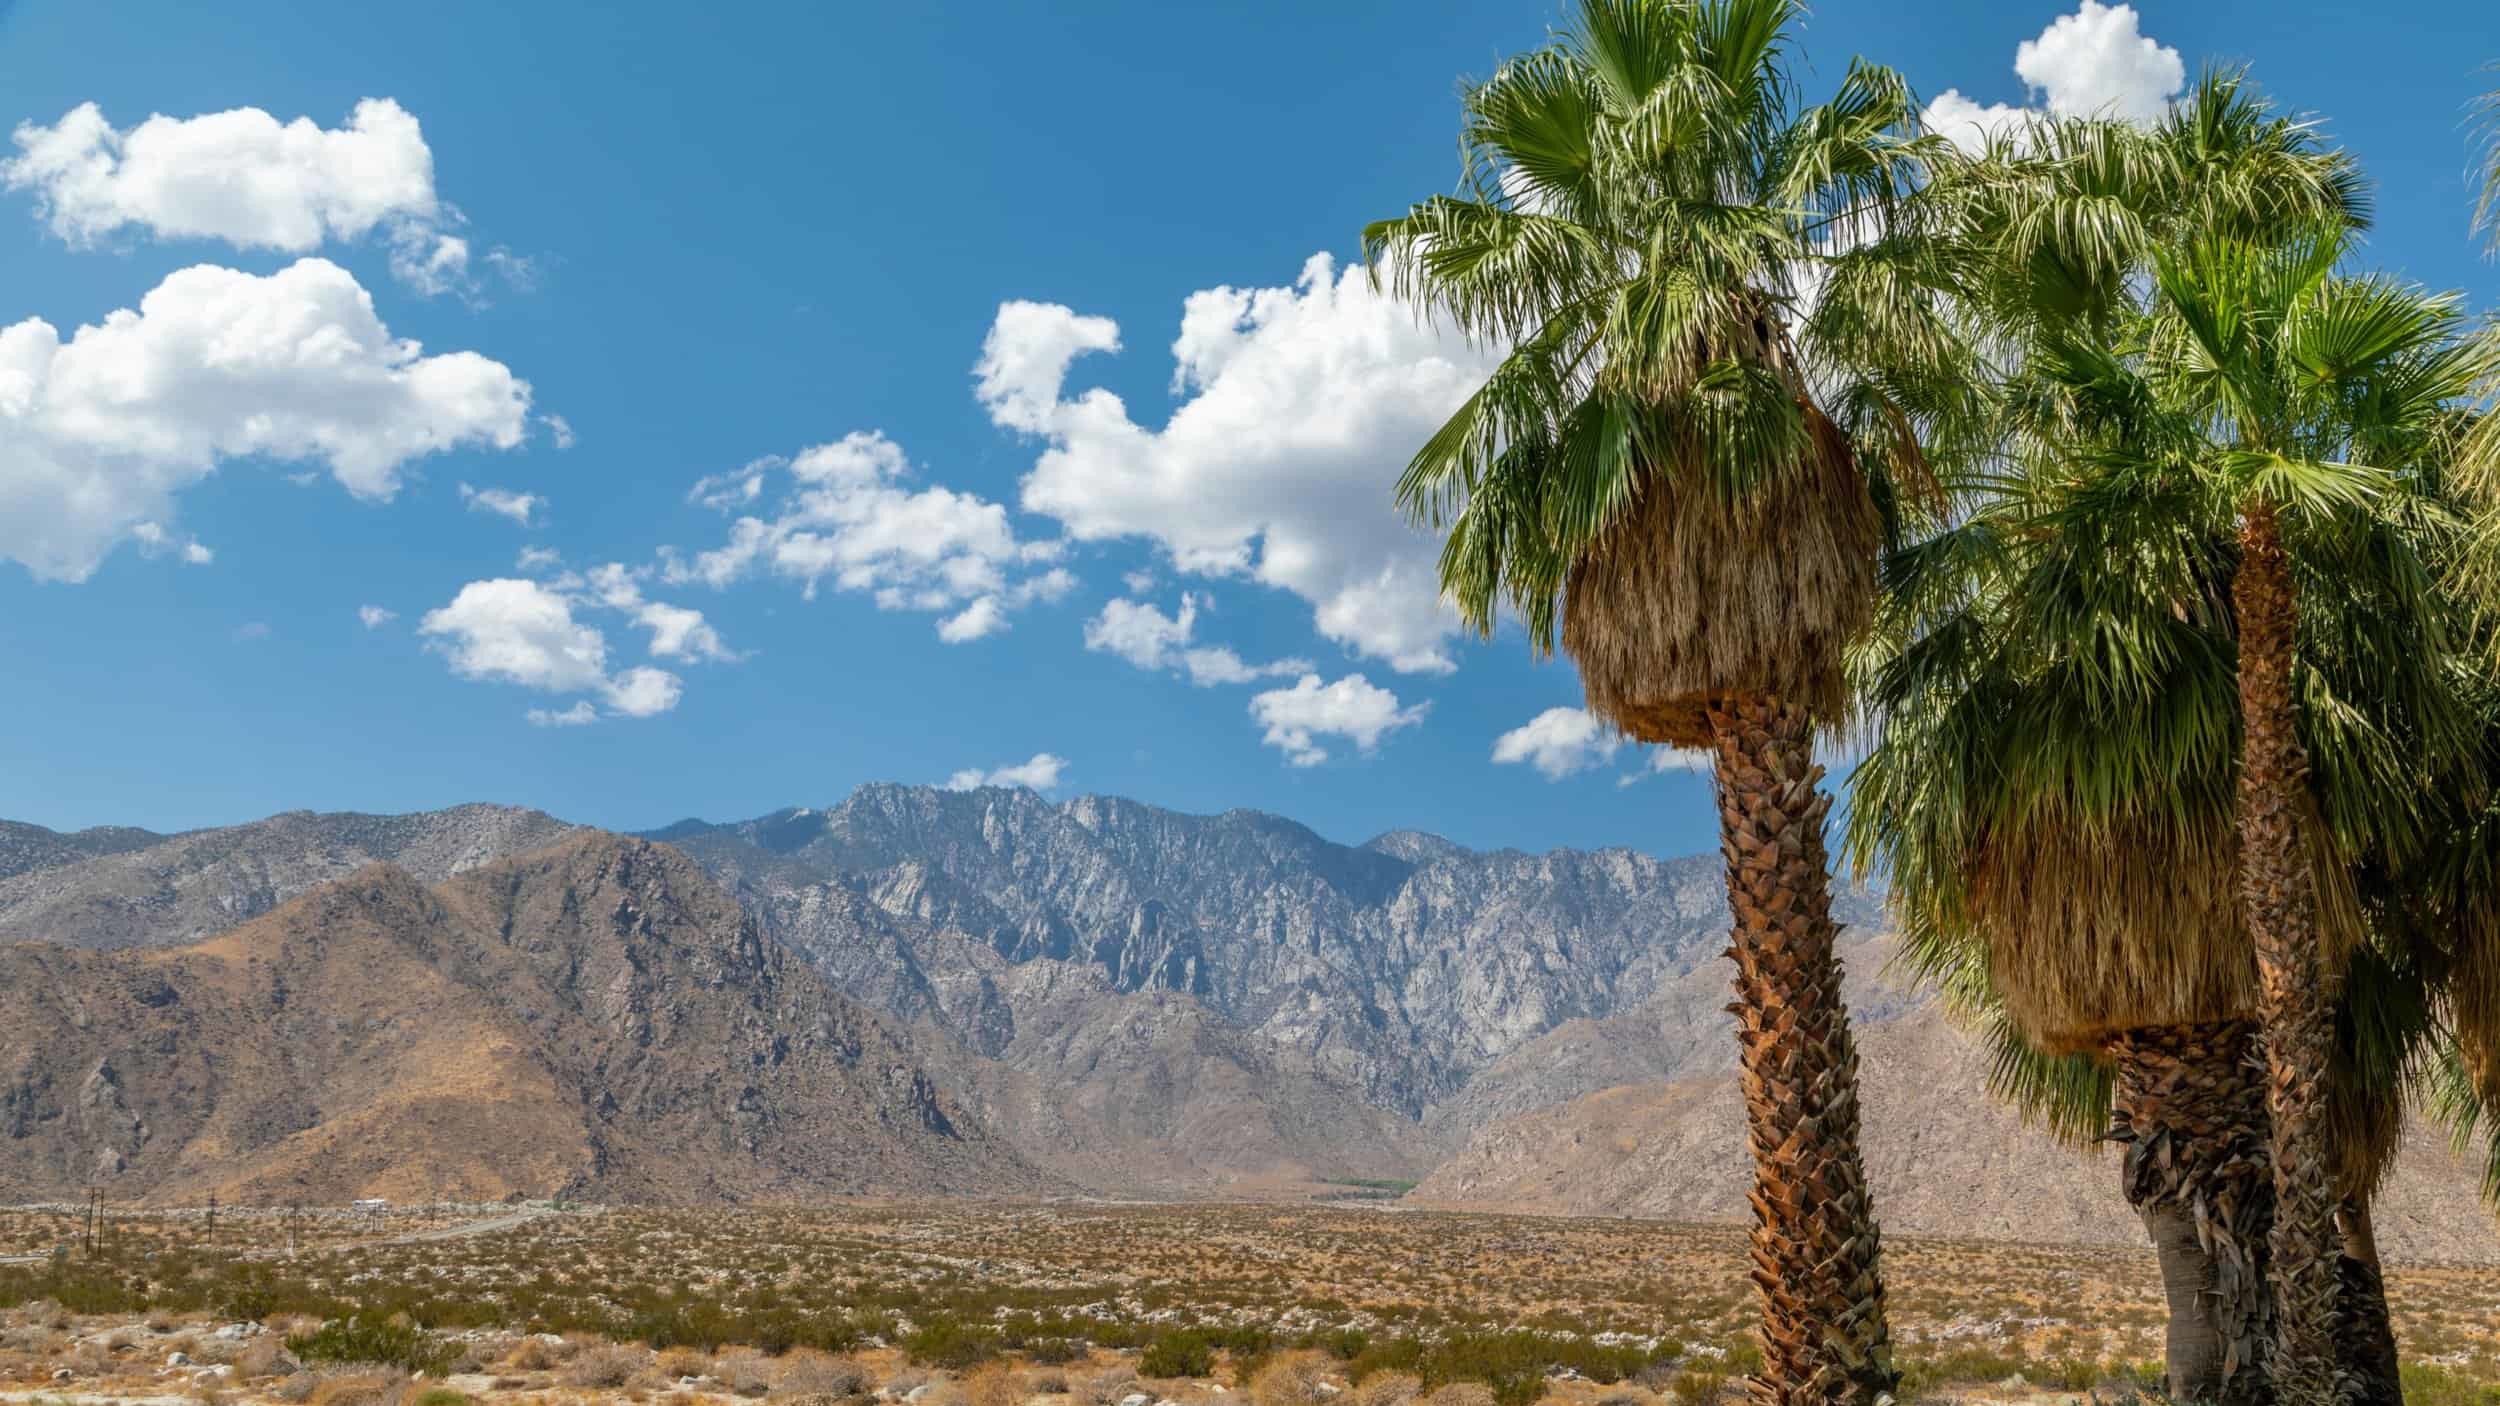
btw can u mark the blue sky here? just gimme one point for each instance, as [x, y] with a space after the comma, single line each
[852, 274]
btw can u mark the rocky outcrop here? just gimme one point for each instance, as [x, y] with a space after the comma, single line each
[1399, 969]
[115, 887]
[594, 1019]
[1944, 1159]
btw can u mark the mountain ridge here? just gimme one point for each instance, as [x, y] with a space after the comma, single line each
[592, 1018]
[1112, 996]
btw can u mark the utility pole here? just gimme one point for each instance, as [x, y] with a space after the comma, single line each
[212, 1220]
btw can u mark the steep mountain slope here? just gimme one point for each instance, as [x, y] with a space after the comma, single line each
[1944, 1159]
[129, 888]
[1135, 1093]
[1398, 968]
[594, 1018]
[24, 847]
[1682, 1031]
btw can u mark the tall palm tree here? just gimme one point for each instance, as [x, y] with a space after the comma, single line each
[2311, 394]
[1684, 470]
[2055, 783]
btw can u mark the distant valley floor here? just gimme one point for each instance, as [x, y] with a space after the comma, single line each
[1064, 1294]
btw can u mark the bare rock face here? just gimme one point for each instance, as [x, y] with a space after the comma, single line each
[113, 888]
[1943, 1157]
[594, 1019]
[1399, 969]
[931, 991]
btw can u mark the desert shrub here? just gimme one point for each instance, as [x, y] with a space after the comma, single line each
[531, 1354]
[1387, 1389]
[1464, 1394]
[1105, 1388]
[1294, 1379]
[1344, 1344]
[950, 1343]
[1048, 1383]
[679, 1362]
[1401, 1355]
[85, 1289]
[1183, 1352]
[247, 1302]
[354, 1389]
[2428, 1385]
[441, 1396]
[1925, 1372]
[392, 1343]
[817, 1374]
[264, 1357]
[31, 1338]
[298, 1386]
[1699, 1388]
[744, 1373]
[994, 1384]
[608, 1366]
[1051, 1352]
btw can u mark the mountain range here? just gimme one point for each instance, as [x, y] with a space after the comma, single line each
[971, 991]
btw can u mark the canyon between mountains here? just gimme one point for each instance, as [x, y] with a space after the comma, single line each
[979, 993]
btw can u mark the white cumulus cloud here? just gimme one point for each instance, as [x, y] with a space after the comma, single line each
[1040, 773]
[984, 617]
[245, 178]
[1353, 707]
[843, 513]
[1663, 760]
[579, 715]
[677, 632]
[155, 541]
[1299, 407]
[502, 502]
[2094, 62]
[524, 632]
[100, 432]
[374, 616]
[1143, 635]
[1557, 742]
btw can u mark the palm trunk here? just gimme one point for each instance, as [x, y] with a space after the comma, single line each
[2191, 1110]
[2365, 1339]
[2275, 888]
[1815, 1247]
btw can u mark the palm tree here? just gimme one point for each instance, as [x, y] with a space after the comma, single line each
[2487, 207]
[2311, 394]
[1684, 469]
[2055, 786]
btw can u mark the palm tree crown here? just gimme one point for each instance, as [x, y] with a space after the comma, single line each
[1695, 278]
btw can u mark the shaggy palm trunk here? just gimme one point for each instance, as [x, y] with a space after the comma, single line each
[2365, 1340]
[1815, 1247]
[2275, 889]
[2190, 1109]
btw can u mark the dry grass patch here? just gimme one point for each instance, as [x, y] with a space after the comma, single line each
[1294, 1379]
[605, 1367]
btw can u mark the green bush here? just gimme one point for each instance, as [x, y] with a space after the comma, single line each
[357, 1338]
[1184, 1352]
[1344, 1344]
[2426, 1385]
[1393, 1355]
[950, 1343]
